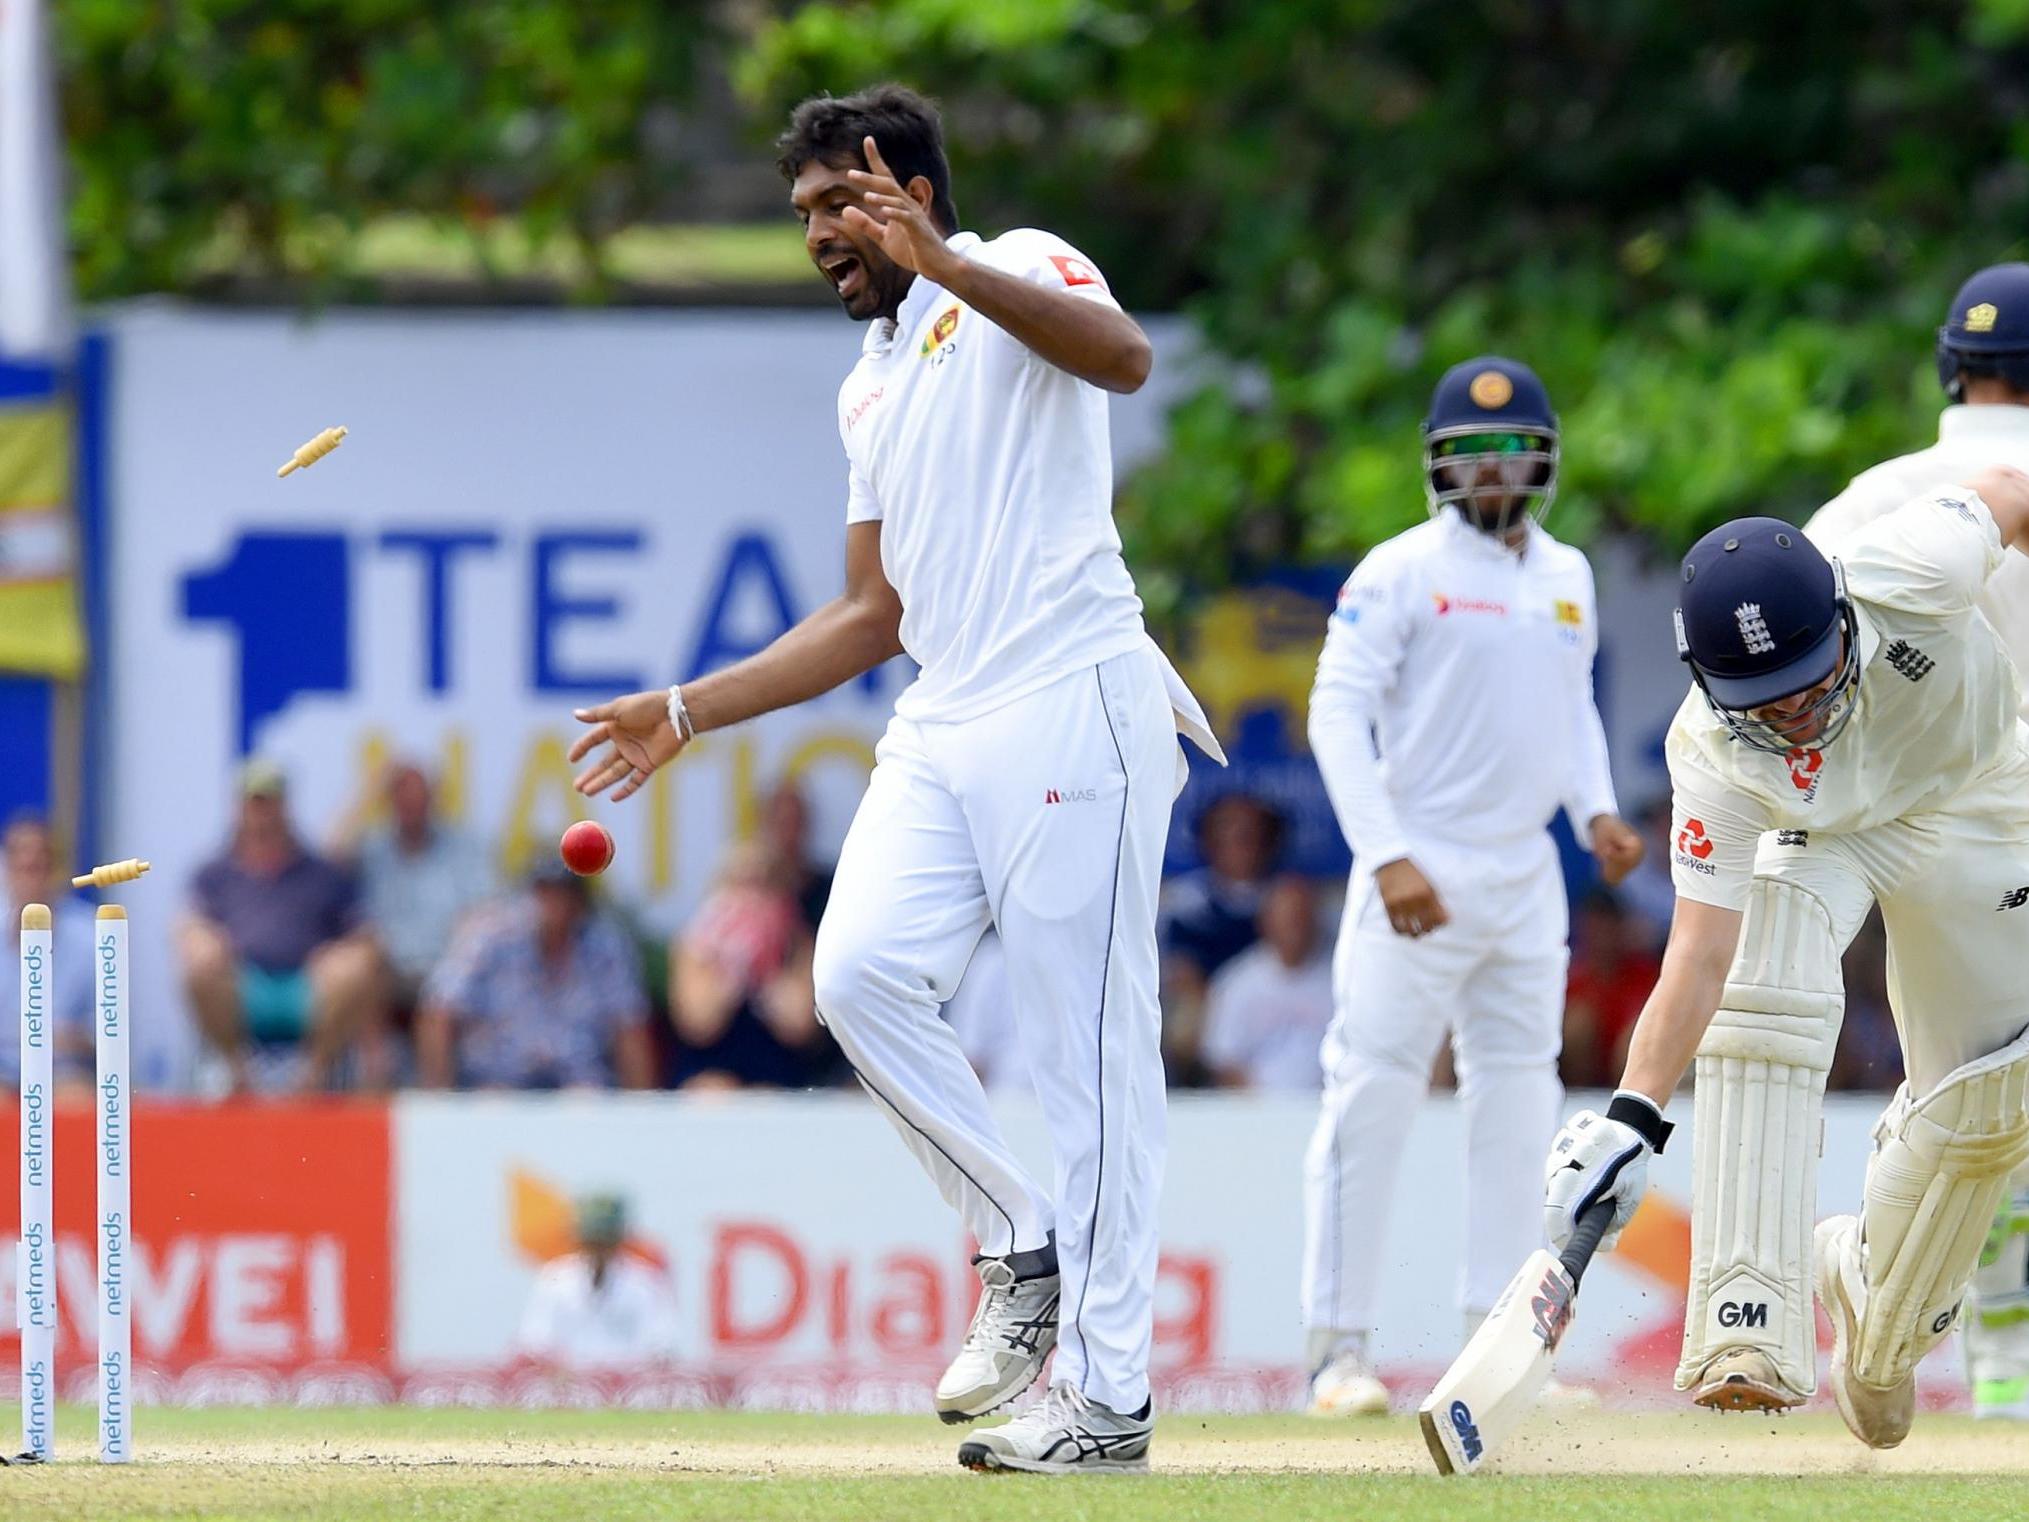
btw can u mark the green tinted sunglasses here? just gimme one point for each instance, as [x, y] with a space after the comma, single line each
[1490, 443]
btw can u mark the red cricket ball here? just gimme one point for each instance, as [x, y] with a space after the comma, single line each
[587, 848]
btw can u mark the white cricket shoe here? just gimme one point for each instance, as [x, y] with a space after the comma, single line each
[1877, 1417]
[1012, 1332]
[1345, 1385]
[1064, 1433]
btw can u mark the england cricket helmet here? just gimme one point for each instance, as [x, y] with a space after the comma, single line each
[1987, 330]
[1760, 617]
[1490, 442]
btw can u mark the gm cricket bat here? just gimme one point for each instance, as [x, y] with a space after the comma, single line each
[1489, 1388]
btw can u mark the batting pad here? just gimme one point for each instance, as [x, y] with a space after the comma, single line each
[1938, 1174]
[1757, 1131]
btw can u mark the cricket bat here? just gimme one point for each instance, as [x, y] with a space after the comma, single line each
[1489, 1388]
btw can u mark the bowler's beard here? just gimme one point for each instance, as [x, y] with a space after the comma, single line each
[887, 283]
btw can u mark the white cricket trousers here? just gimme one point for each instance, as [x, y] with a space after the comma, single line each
[1045, 818]
[1494, 978]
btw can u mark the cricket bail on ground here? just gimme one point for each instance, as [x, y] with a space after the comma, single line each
[111, 1013]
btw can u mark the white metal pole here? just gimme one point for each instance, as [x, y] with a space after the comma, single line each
[35, 1256]
[116, 1168]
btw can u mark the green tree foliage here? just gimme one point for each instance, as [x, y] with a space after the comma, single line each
[1723, 232]
[268, 132]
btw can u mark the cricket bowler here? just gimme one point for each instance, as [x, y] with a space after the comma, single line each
[1983, 366]
[1453, 714]
[1852, 737]
[1026, 777]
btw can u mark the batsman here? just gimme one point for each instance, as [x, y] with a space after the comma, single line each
[1851, 737]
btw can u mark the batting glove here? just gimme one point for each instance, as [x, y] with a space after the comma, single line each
[1597, 1157]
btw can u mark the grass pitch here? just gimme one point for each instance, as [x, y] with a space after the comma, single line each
[619, 1466]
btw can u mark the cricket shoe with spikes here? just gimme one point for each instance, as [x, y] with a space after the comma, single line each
[1064, 1433]
[1878, 1417]
[1745, 1379]
[1346, 1385]
[1012, 1333]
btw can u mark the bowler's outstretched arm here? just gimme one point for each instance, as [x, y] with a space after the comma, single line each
[845, 638]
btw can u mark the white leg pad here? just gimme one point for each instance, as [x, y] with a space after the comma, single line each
[1938, 1174]
[1756, 1127]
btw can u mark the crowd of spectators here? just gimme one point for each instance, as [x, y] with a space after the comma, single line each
[391, 955]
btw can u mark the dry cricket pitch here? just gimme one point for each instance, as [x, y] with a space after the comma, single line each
[310, 1465]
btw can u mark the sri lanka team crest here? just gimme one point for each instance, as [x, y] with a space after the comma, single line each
[940, 333]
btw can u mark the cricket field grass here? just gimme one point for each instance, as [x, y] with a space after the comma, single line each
[616, 1466]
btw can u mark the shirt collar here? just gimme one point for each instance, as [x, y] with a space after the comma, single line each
[1478, 542]
[1986, 420]
[1870, 637]
[882, 330]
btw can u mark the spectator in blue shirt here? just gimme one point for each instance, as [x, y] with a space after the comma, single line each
[275, 957]
[1209, 917]
[538, 993]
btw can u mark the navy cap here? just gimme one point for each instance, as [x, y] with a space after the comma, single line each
[1990, 314]
[1490, 394]
[548, 871]
[1759, 612]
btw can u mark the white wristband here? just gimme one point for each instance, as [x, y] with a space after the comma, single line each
[679, 716]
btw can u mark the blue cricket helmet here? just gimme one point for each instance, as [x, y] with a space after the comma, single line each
[1490, 442]
[1762, 615]
[1987, 330]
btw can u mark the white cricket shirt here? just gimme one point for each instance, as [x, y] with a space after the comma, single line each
[1454, 694]
[1967, 439]
[991, 472]
[628, 1319]
[1936, 713]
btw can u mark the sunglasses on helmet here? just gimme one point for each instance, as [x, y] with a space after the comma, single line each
[1489, 443]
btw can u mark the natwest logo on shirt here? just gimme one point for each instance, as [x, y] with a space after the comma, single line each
[1693, 846]
[1446, 605]
[1804, 766]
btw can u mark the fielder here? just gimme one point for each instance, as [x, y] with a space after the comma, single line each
[1852, 738]
[1983, 365]
[1452, 715]
[1026, 778]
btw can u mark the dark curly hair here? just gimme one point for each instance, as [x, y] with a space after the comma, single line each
[831, 128]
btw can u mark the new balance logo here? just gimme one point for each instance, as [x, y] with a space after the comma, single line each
[1754, 629]
[1909, 660]
[2014, 898]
